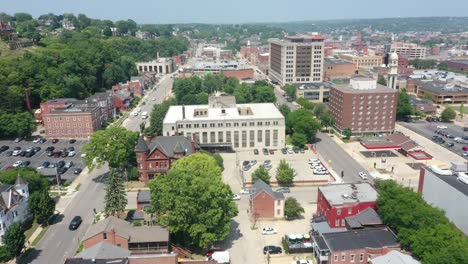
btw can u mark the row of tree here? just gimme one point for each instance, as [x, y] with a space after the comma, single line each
[421, 228]
[284, 174]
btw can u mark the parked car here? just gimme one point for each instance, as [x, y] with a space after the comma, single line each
[256, 151]
[50, 148]
[247, 167]
[265, 151]
[71, 148]
[362, 175]
[253, 162]
[290, 151]
[16, 152]
[37, 149]
[77, 171]
[267, 162]
[268, 231]
[30, 154]
[284, 151]
[55, 140]
[71, 153]
[9, 153]
[25, 164]
[72, 141]
[450, 144]
[45, 164]
[464, 154]
[283, 190]
[36, 140]
[18, 139]
[211, 251]
[75, 223]
[62, 170]
[60, 164]
[301, 261]
[4, 148]
[245, 191]
[465, 148]
[42, 141]
[236, 197]
[64, 154]
[17, 163]
[68, 164]
[442, 127]
[272, 250]
[22, 153]
[17, 148]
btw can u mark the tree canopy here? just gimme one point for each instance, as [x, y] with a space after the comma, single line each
[193, 202]
[292, 208]
[404, 107]
[290, 90]
[421, 228]
[285, 173]
[448, 114]
[285, 110]
[157, 117]
[42, 206]
[302, 121]
[36, 181]
[14, 239]
[262, 174]
[115, 199]
[114, 145]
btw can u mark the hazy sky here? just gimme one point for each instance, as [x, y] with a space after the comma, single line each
[238, 11]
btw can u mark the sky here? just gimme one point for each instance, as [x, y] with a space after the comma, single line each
[237, 11]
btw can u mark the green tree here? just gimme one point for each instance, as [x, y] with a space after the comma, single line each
[461, 110]
[42, 206]
[262, 174]
[285, 173]
[290, 90]
[36, 182]
[382, 81]
[284, 109]
[347, 133]
[292, 208]
[448, 114]
[115, 145]
[305, 103]
[22, 17]
[13, 239]
[302, 121]
[115, 198]
[404, 107]
[299, 140]
[16, 124]
[326, 119]
[4, 254]
[264, 94]
[193, 201]
[319, 109]
[157, 117]
[443, 66]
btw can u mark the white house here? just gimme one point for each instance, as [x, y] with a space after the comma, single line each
[14, 205]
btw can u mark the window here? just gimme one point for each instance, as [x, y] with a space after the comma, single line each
[220, 136]
[244, 139]
[259, 135]
[352, 257]
[278, 202]
[275, 137]
[104, 235]
[228, 136]
[236, 139]
[278, 212]
[267, 138]
[205, 137]
[336, 257]
[338, 211]
[337, 222]
[212, 137]
[343, 257]
[252, 138]
[361, 257]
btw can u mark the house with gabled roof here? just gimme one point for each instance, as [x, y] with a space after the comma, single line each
[14, 206]
[264, 202]
[155, 157]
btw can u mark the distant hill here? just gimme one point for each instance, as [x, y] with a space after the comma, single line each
[434, 24]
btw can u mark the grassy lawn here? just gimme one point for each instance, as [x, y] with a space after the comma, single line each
[28, 233]
[457, 108]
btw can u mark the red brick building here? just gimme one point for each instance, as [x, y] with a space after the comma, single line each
[134, 87]
[138, 240]
[338, 201]
[338, 69]
[122, 100]
[363, 106]
[264, 202]
[157, 156]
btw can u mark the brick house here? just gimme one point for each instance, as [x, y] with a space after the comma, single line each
[338, 201]
[157, 156]
[355, 246]
[135, 88]
[138, 240]
[264, 202]
[122, 100]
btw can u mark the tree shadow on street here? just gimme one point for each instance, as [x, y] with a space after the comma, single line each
[233, 236]
[100, 178]
[29, 256]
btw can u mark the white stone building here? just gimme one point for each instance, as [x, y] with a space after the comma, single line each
[14, 206]
[224, 124]
[159, 66]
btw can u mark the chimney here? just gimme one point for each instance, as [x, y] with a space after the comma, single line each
[183, 112]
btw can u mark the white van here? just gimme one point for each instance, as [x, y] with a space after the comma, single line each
[222, 257]
[144, 115]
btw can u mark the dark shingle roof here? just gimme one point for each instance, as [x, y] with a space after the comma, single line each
[260, 186]
[104, 250]
[141, 145]
[168, 145]
[144, 196]
[358, 239]
[364, 218]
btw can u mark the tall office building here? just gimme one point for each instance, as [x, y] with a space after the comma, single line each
[297, 59]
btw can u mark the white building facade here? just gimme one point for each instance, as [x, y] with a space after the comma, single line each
[159, 66]
[14, 205]
[223, 123]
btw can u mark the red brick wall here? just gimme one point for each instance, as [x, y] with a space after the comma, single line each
[70, 125]
[240, 74]
[153, 260]
[365, 254]
[263, 205]
[47, 107]
[120, 104]
[111, 238]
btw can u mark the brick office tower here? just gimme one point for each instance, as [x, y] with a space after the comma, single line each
[364, 106]
[297, 59]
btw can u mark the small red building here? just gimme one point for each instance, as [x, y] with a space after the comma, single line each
[264, 202]
[338, 201]
[157, 156]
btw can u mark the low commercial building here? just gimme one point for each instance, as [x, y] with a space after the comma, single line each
[423, 105]
[338, 201]
[442, 92]
[458, 65]
[157, 156]
[239, 70]
[224, 124]
[447, 189]
[135, 88]
[264, 202]
[314, 92]
[355, 246]
[158, 66]
[362, 61]
[398, 141]
[333, 68]
[363, 106]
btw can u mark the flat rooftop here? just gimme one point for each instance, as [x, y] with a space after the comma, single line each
[459, 61]
[360, 239]
[379, 89]
[257, 111]
[337, 62]
[441, 87]
[451, 180]
[219, 65]
[312, 86]
[340, 194]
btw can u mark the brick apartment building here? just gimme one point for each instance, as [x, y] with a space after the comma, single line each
[363, 106]
[338, 201]
[157, 156]
[337, 69]
[296, 59]
[71, 118]
[264, 202]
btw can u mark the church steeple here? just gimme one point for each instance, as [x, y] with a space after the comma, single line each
[21, 186]
[393, 71]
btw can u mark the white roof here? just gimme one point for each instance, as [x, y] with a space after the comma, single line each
[259, 111]
[394, 257]
[340, 194]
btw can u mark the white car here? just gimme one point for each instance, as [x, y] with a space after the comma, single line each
[16, 152]
[17, 163]
[236, 197]
[268, 231]
[442, 127]
[362, 175]
[244, 191]
[290, 151]
[302, 261]
[135, 113]
[313, 161]
[71, 153]
[36, 140]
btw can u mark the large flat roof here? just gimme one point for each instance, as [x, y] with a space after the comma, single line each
[360, 239]
[451, 180]
[259, 111]
[340, 194]
[379, 89]
[444, 88]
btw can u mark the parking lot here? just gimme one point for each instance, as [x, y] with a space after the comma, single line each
[41, 156]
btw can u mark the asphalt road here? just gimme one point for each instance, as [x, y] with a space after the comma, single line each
[154, 96]
[427, 129]
[59, 242]
[338, 159]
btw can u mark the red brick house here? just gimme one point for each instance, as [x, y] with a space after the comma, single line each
[157, 156]
[134, 87]
[122, 100]
[264, 202]
[138, 240]
[339, 201]
[355, 246]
